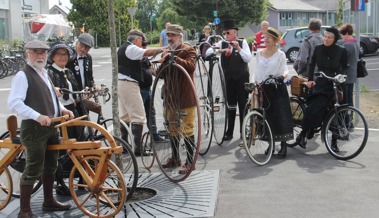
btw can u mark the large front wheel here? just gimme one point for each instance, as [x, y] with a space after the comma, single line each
[257, 138]
[345, 133]
[105, 199]
[181, 125]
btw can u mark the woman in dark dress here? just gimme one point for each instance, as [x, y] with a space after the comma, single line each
[61, 77]
[331, 59]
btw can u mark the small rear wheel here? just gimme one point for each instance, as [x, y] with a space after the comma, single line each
[147, 151]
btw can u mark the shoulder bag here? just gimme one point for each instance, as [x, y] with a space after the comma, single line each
[361, 69]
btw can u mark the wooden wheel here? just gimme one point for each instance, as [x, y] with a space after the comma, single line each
[6, 187]
[104, 200]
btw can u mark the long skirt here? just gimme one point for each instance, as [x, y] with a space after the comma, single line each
[278, 111]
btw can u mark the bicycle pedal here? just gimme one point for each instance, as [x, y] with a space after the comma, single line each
[216, 108]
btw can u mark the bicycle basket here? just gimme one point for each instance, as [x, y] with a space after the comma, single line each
[297, 86]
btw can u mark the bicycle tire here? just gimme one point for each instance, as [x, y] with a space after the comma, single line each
[169, 121]
[204, 93]
[111, 192]
[220, 105]
[6, 187]
[257, 138]
[3, 70]
[147, 155]
[127, 136]
[129, 161]
[349, 127]
[297, 110]
[17, 167]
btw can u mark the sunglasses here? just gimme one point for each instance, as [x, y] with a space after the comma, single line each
[226, 33]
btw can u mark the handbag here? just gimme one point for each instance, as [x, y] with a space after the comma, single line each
[361, 69]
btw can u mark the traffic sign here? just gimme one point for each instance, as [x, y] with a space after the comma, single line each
[215, 13]
[216, 21]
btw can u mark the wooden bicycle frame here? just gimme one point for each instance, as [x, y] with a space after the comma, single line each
[76, 150]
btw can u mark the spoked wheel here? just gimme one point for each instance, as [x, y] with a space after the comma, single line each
[105, 199]
[147, 155]
[345, 133]
[6, 187]
[129, 164]
[204, 94]
[179, 123]
[297, 109]
[16, 169]
[220, 107]
[257, 138]
[126, 131]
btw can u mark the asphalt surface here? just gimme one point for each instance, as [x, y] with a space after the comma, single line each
[307, 183]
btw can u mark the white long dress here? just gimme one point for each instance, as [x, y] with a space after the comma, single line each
[275, 65]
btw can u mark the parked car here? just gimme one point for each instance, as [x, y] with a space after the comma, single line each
[292, 38]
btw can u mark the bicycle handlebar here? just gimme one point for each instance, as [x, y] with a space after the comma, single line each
[57, 119]
[340, 78]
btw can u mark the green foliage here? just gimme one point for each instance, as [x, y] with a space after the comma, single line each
[364, 89]
[146, 14]
[94, 14]
[339, 16]
[242, 11]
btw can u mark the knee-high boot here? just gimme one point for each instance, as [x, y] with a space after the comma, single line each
[26, 193]
[49, 203]
[283, 150]
[137, 134]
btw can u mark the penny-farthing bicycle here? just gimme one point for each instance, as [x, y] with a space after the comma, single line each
[180, 124]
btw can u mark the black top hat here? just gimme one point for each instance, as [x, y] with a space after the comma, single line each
[230, 24]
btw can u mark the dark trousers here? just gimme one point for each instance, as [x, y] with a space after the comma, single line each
[236, 95]
[348, 90]
[38, 159]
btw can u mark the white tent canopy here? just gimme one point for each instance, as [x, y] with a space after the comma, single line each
[45, 26]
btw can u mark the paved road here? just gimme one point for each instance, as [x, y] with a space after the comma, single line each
[308, 183]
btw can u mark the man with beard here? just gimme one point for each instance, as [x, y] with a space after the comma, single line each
[187, 101]
[33, 99]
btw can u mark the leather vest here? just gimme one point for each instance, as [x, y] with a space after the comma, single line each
[38, 96]
[128, 67]
[233, 66]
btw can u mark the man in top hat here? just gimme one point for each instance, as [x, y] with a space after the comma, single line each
[180, 93]
[33, 99]
[235, 55]
[130, 75]
[81, 65]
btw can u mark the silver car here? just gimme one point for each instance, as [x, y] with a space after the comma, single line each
[292, 38]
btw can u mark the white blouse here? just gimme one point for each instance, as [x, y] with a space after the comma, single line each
[275, 65]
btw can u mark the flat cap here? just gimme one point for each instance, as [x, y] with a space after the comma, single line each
[86, 39]
[137, 33]
[36, 44]
[174, 29]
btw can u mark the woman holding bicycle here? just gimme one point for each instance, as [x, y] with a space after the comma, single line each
[331, 59]
[61, 77]
[271, 62]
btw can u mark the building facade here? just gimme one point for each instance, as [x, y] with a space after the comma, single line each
[368, 18]
[12, 13]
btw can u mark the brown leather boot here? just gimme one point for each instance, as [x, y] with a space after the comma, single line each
[25, 210]
[49, 203]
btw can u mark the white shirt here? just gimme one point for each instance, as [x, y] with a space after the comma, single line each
[132, 52]
[275, 65]
[17, 96]
[245, 51]
[81, 70]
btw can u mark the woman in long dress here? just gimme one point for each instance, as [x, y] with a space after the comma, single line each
[271, 62]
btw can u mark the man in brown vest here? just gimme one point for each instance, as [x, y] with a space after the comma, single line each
[33, 99]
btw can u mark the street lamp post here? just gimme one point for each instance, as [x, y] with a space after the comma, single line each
[132, 11]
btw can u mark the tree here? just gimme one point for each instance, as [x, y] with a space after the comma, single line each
[94, 14]
[339, 16]
[147, 11]
[242, 11]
